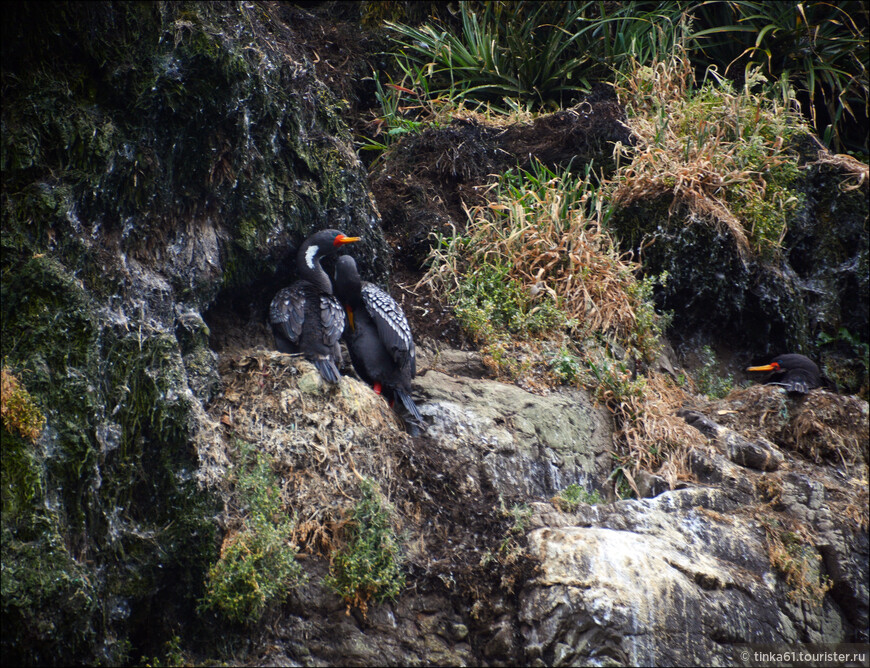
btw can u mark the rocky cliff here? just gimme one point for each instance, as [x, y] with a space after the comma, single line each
[173, 491]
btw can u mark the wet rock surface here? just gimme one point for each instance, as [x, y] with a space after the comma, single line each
[525, 445]
[134, 312]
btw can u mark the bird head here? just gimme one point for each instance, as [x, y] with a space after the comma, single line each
[320, 244]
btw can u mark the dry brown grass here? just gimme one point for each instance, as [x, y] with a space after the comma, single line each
[791, 549]
[656, 439]
[711, 150]
[555, 248]
[273, 400]
[857, 173]
[547, 235]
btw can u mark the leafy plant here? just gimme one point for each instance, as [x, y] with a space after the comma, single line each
[257, 566]
[615, 385]
[369, 566]
[502, 53]
[566, 366]
[534, 55]
[573, 495]
[818, 47]
[709, 380]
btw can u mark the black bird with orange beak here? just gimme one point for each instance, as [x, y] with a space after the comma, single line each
[306, 318]
[378, 338]
[796, 373]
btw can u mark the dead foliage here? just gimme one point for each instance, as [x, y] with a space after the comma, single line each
[857, 173]
[694, 147]
[829, 433]
[555, 250]
[791, 550]
[656, 439]
[19, 413]
[322, 440]
[822, 426]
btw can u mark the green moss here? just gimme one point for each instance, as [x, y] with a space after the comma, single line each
[765, 216]
[123, 125]
[50, 606]
[257, 566]
[21, 479]
[117, 436]
[369, 566]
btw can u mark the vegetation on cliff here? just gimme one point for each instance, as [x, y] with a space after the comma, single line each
[162, 160]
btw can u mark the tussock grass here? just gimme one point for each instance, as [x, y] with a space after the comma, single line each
[542, 237]
[537, 264]
[654, 437]
[721, 153]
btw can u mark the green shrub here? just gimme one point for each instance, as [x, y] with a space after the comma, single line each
[369, 566]
[709, 380]
[257, 566]
[570, 498]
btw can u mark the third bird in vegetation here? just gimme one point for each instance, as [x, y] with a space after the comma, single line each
[378, 338]
[306, 318]
[796, 373]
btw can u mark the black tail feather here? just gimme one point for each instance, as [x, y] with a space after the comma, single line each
[415, 420]
[327, 369]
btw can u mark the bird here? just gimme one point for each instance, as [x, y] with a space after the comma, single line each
[378, 339]
[796, 373]
[306, 317]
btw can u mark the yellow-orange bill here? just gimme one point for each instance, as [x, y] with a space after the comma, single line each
[766, 367]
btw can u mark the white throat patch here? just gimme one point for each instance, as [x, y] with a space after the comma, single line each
[309, 256]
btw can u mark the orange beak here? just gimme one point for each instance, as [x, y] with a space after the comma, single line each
[349, 311]
[340, 240]
[766, 367]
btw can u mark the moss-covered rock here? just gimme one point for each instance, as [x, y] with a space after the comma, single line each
[813, 282]
[154, 155]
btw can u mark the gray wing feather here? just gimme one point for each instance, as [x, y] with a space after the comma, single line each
[287, 312]
[332, 318]
[392, 326]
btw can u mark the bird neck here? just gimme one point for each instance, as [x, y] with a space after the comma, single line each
[308, 267]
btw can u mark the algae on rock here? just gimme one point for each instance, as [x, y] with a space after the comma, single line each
[154, 155]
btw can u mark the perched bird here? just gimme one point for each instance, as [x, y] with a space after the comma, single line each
[796, 373]
[378, 338]
[306, 318]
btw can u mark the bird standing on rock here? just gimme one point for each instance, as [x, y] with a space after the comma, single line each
[378, 338]
[796, 373]
[306, 318]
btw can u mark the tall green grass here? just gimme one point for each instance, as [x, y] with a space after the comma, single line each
[545, 55]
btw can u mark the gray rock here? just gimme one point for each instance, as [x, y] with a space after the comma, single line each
[759, 453]
[527, 445]
[652, 582]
